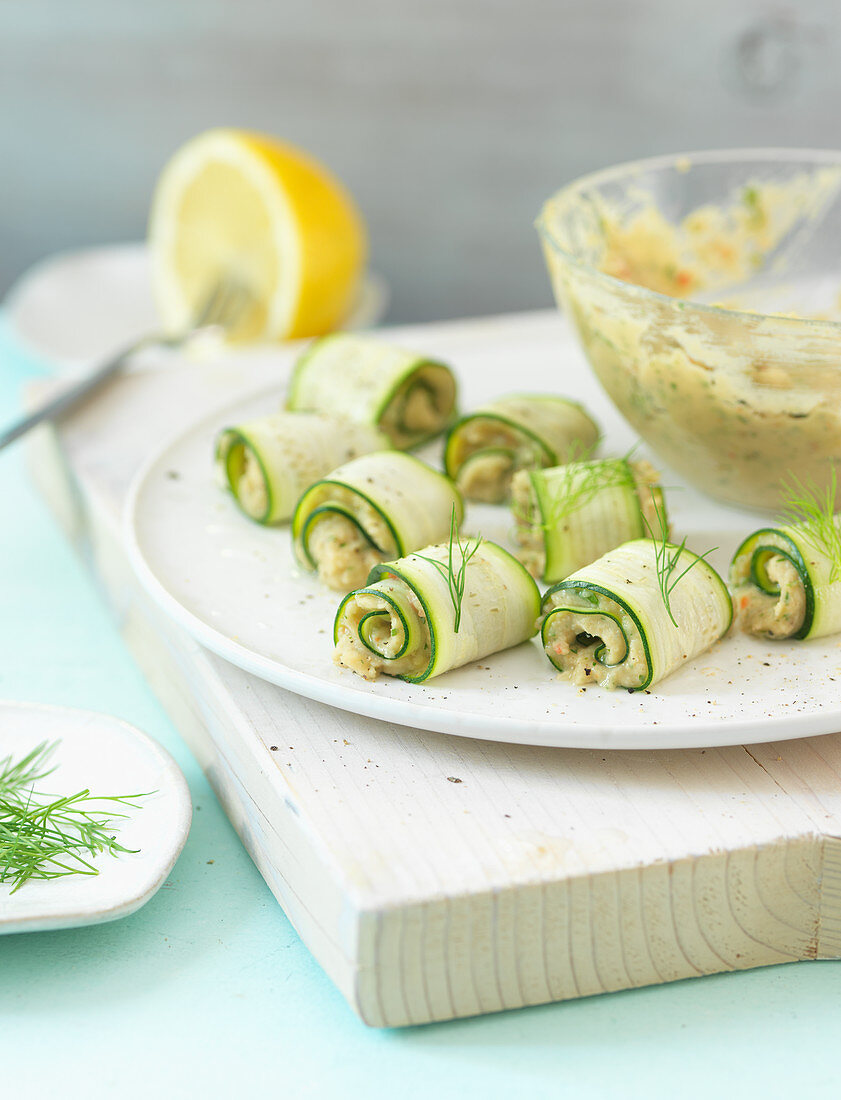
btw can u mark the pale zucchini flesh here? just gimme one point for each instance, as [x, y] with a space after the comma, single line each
[268, 462]
[608, 624]
[528, 431]
[567, 516]
[786, 585]
[380, 506]
[407, 396]
[403, 622]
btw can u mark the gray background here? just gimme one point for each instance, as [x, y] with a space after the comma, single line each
[450, 120]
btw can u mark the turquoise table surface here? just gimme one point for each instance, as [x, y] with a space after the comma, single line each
[208, 992]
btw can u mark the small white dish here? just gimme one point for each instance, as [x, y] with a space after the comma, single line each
[76, 308]
[233, 585]
[109, 757]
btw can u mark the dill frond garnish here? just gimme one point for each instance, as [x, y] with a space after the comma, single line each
[455, 570]
[47, 836]
[813, 511]
[667, 558]
[530, 455]
[587, 481]
[582, 452]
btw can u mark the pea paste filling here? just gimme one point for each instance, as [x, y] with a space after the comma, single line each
[773, 615]
[591, 648]
[367, 615]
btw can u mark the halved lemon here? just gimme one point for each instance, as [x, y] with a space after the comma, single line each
[253, 208]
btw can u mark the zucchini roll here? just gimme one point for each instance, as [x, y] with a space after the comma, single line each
[267, 463]
[610, 623]
[527, 432]
[567, 516]
[436, 610]
[787, 583]
[405, 395]
[377, 507]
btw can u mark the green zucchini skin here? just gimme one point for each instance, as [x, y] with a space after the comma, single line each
[610, 618]
[267, 463]
[568, 516]
[393, 500]
[531, 430]
[763, 606]
[498, 609]
[407, 396]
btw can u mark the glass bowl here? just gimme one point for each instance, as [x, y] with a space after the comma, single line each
[706, 292]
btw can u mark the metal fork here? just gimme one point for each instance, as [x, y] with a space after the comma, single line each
[222, 307]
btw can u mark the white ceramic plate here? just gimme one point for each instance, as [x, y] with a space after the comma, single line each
[108, 756]
[76, 308]
[233, 585]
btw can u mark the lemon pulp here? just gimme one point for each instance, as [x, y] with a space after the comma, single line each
[251, 208]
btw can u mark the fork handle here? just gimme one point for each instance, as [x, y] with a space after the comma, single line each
[70, 397]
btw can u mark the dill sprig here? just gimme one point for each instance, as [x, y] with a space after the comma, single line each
[577, 451]
[454, 571]
[47, 836]
[813, 511]
[531, 454]
[667, 558]
[593, 477]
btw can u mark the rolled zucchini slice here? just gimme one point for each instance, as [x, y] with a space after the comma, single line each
[567, 516]
[521, 432]
[608, 623]
[403, 622]
[786, 585]
[407, 396]
[267, 463]
[380, 506]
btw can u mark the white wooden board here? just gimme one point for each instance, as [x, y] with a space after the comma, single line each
[435, 876]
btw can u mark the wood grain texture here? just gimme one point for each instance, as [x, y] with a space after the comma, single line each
[541, 874]
[451, 120]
